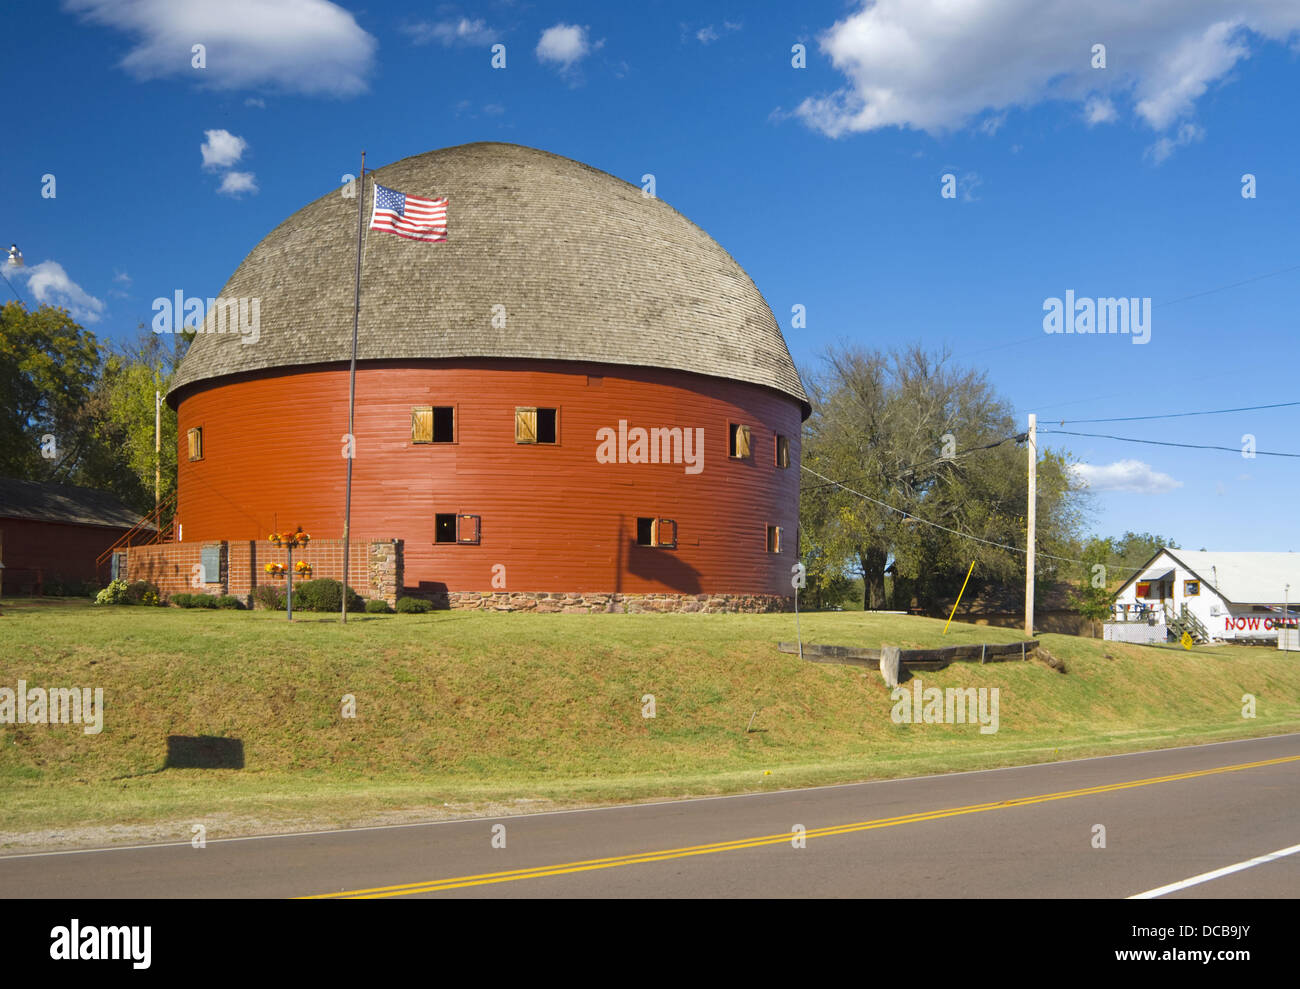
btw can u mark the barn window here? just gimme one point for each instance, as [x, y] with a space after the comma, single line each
[782, 451]
[433, 424]
[452, 527]
[1144, 588]
[1191, 588]
[536, 425]
[739, 442]
[444, 528]
[195, 437]
[444, 424]
[651, 531]
[774, 539]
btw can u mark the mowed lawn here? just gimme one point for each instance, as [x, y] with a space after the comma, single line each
[465, 712]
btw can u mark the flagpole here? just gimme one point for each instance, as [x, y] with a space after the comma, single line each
[352, 392]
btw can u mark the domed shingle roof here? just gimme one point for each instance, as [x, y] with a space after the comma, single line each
[587, 267]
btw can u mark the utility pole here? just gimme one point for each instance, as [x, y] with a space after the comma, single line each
[157, 451]
[1031, 520]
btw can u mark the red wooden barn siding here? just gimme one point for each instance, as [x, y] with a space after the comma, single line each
[554, 517]
[57, 550]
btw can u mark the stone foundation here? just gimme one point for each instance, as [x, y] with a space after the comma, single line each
[613, 603]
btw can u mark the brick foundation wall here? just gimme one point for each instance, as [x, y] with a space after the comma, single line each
[618, 603]
[374, 566]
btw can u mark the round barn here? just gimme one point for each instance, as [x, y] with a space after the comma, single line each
[578, 393]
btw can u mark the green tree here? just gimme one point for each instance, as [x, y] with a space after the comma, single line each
[48, 368]
[1108, 563]
[907, 430]
[123, 403]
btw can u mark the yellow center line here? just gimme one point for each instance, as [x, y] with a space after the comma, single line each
[639, 858]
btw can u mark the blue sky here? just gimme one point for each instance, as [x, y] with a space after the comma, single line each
[824, 182]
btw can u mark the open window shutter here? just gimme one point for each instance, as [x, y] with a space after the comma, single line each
[525, 425]
[467, 529]
[666, 533]
[195, 437]
[742, 441]
[422, 424]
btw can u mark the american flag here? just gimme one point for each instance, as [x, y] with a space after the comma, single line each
[412, 217]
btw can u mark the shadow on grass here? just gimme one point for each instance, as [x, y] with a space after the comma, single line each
[197, 752]
[204, 752]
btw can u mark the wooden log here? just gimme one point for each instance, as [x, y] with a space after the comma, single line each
[918, 659]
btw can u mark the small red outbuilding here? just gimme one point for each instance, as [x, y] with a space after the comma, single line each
[56, 532]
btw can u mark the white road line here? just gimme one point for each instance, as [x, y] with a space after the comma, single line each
[1205, 877]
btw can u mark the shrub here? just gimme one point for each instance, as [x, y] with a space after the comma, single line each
[229, 601]
[114, 593]
[150, 598]
[376, 606]
[203, 601]
[137, 590]
[412, 606]
[181, 600]
[269, 597]
[324, 594]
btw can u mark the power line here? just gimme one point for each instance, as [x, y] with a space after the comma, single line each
[1188, 446]
[956, 532]
[1180, 415]
[1222, 288]
[13, 290]
[1019, 438]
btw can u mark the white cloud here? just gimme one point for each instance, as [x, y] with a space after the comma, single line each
[256, 101]
[221, 149]
[1099, 110]
[237, 183]
[50, 284]
[563, 44]
[460, 31]
[1124, 475]
[1165, 146]
[934, 65]
[709, 34]
[303, 46]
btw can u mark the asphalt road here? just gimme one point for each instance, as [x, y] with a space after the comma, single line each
[1169, 816]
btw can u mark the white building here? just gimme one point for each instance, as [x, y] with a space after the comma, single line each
[1233, 596]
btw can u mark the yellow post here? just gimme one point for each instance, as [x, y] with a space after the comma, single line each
[958, 601]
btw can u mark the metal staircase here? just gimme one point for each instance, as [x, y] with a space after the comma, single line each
[149, 529]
